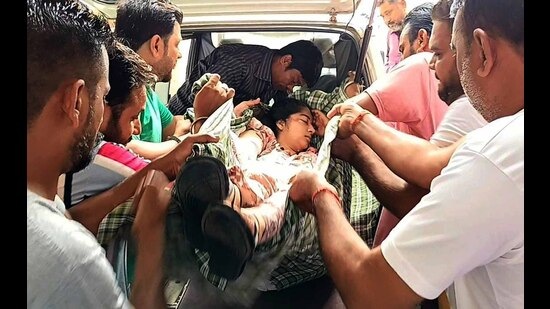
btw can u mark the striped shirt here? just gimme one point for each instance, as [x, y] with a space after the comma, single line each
[111, 165]
[245, 68]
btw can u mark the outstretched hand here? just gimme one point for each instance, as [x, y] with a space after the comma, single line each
[303, 187]
[349, 112]
[172, 162]
[244, 105]
[211, 96]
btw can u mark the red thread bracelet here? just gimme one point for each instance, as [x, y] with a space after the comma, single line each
[323, 190]
[358, 119]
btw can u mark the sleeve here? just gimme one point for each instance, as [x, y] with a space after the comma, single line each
[402, 94]
[166, 116]
[459, 226]
[93, 285]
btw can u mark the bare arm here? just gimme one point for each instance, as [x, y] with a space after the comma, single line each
[151, 150]
[151, 202]
[396, 194]
[365, 101]
[414, 159]
[178, 127]
[92, 210]
[362, 276]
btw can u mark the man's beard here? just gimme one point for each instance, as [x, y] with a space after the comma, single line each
[476, 94]
[82, 151]
[113, 133]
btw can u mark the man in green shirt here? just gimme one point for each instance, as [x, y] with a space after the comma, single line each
[152, 29]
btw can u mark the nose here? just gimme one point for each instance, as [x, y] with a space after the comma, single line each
[179, 54]
[137, 127]
[310, 128]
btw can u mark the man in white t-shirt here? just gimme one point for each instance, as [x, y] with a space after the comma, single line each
[66, 267]
[417, 161]
[466, 236]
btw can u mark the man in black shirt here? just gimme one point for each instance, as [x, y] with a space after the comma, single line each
[255, 72]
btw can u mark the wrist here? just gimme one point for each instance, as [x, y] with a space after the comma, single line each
[358, 119]
[324, 192]
[173, 138]
[197, 123]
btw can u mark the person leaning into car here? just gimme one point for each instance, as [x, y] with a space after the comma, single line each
[257, 73]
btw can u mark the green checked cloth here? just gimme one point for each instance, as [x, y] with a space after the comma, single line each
[293, 255]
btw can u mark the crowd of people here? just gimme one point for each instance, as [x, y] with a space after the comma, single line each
[449, 115]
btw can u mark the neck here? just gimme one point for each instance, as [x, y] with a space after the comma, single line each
[284, 146]
[42, 178]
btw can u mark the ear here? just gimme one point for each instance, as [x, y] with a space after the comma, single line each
[487, 54]
[73, 95]
[286, 60]
[423, 40]
[156, 46]
[280, 124]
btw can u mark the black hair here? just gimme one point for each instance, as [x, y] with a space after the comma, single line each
[441, 12]
[65, 40]
[127, 71]
[137, 21]
[306, 58]
[281, 109]
[418, 18]
[501, 18]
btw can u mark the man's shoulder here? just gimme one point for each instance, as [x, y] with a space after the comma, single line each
[501, 142]
[240, 51]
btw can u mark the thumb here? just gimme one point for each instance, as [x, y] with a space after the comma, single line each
[334, 111]
[254, 102]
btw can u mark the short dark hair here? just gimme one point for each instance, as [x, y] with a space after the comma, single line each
[281, 109]
[306, 58]
[441, 11]
[502, 18]
[65, 40]
[418, 18]
[127, 71]
[137, 21]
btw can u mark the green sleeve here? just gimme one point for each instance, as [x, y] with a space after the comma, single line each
[166, 116]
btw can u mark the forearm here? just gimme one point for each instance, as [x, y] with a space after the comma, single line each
[396, 194]
[413, 159]
[92, 210]
[148, 287]
[362, 276]
[150, 150]
[365, 101]
[343, 251]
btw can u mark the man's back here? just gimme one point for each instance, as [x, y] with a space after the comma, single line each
[66, 267]
[246, 68]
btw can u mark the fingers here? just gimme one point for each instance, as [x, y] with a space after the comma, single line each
[230, 93]
[202, 138]
[253, 102]
[334, 111]
[212, 81]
